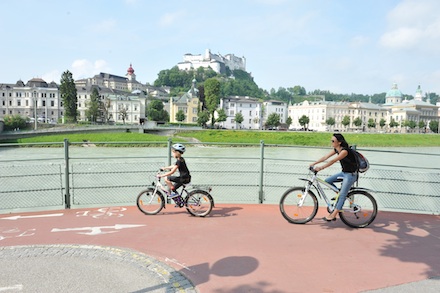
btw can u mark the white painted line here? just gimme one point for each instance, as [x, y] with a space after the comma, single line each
[96, 230]
[174, 261]
[31, 217]
[18, 287]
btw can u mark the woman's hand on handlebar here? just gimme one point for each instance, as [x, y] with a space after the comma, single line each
[314, 169]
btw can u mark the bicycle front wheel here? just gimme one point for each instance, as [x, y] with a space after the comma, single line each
[150, 201]
[199, 203]
[359, 210]
[298, 207]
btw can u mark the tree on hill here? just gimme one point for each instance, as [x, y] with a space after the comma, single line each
[69, 96]
[241, 83]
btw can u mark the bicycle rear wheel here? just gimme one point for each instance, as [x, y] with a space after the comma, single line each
[199, 203]
[291, 209]
[150, 201]
[359, 210]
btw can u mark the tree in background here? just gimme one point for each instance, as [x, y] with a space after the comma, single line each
[92, 113]
[410, 124]
[371, 123]
[393, 123]
[202, 118]
[273, 120]
[304, 121]
[14, 122]
[124, 114]
[239, 118]
[156, 111]
[69, 97]
[433, 125]
[346, 121]
[104, 108]
[180, 116]
[422, 126]
[221, 116]
[330, 121]
[382, 122]
[289, 121]
[357, 122]
[212, 97]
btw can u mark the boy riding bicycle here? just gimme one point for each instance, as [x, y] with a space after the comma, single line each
[184, 174]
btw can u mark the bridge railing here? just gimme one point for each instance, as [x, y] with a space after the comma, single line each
[72, 179]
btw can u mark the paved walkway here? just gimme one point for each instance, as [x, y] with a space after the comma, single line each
[238, 248]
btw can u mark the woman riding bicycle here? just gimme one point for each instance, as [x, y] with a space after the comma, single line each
[349, 170]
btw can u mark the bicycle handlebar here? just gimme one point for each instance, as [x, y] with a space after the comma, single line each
[312, 170]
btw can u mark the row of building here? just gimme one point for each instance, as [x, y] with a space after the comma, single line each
[126, 99]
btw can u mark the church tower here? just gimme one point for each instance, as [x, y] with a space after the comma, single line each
[130, 74]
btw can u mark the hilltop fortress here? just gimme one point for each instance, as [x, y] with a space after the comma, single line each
[217, 62]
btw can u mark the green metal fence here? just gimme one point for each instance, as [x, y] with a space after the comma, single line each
[69, 179]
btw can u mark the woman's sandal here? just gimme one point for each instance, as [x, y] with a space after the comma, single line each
[328, 220]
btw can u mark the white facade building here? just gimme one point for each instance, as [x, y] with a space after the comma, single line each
[250, 109]
[402, 110]
[34, 100]
[319, 111]
[277, 107]
[218, 63]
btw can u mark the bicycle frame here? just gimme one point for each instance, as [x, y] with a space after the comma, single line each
[316, 182]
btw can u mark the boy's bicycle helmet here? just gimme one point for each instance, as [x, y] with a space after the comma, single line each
[179, 147]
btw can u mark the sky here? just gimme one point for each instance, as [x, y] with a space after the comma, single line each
[342, 46]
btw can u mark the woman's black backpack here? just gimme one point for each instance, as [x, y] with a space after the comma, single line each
[362, 163]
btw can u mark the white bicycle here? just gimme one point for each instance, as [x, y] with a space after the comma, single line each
[299, 205]
[198, 202]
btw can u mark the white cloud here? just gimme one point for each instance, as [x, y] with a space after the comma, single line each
[169, 19]
[413, 24]
[54, 75]
[83, 68]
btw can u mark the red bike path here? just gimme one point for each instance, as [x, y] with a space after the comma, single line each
[249, 248]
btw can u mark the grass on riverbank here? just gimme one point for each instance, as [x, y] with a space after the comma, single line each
[122, 138]
[314, 138]
[245, 137]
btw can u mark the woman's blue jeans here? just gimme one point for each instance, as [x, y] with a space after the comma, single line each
[347, 182]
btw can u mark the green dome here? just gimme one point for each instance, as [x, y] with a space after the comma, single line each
[394, 92]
